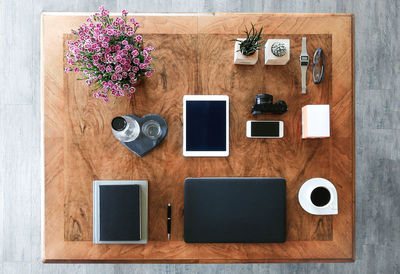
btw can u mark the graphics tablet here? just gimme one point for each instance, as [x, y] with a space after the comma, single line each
[205, 125]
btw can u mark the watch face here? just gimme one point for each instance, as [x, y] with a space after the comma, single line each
[304, 58]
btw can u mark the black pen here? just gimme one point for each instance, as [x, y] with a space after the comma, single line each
[169, 221]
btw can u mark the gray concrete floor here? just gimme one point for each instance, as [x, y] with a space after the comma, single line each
[377, 139]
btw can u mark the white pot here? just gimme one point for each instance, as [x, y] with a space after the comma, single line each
[270, 58]
[241, 59]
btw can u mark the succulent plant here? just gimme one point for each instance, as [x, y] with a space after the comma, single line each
[252, 42]
[278, 49]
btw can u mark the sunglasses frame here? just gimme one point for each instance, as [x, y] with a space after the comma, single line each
[319, 53]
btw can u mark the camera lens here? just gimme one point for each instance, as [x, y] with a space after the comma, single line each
[264, 99]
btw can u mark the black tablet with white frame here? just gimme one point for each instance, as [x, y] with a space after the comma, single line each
[205, 125]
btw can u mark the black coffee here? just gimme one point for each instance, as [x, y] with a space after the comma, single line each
[320, 196]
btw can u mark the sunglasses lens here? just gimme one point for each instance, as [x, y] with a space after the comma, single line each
[316, 72]
[317, 57]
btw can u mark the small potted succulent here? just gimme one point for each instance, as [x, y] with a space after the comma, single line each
[246, 49]
[277, 51]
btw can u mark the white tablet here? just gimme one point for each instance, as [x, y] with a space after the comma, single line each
[205, 125]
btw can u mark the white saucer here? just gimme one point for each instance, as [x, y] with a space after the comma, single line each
[331, 208]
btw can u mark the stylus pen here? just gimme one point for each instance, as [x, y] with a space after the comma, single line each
[169, 221]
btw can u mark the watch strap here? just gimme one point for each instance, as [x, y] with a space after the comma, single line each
[303, 79]
[304, 45]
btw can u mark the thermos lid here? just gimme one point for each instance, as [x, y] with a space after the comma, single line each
[118, 123]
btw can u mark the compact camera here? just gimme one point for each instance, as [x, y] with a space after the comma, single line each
[264, 103]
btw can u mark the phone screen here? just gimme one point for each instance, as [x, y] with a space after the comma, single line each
[267, 129]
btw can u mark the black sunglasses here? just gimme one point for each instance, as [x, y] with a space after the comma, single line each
[318, 71]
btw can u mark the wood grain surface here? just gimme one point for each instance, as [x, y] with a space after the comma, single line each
[194, 56]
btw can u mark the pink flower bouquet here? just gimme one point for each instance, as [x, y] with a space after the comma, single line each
[110, 55]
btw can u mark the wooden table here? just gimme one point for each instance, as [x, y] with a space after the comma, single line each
[195, 56]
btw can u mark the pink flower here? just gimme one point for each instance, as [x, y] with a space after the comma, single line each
[130, 33]
[76, 69]
[105, 99]
[67, 69]
[148, 74]
[104, 45]
[143, 66]
[132, 90]
[125, 42]
[125, 86]
[136, 61]
[138, 38]
[132, 20]
[101, 8]
[124, 12]
[108, 69]
[135, 52]
[101, 37]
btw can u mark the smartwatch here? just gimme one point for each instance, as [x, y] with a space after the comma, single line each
[304, 61]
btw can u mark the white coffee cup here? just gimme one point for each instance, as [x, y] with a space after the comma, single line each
[318, 196]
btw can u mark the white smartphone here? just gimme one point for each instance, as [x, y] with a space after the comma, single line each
[264, 129]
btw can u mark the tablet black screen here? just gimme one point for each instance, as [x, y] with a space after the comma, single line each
[205, 125]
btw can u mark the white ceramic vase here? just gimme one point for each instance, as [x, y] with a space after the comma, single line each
[270, 58]
[241, 59]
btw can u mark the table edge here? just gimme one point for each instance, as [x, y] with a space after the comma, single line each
[195, 261]
[196, 14]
